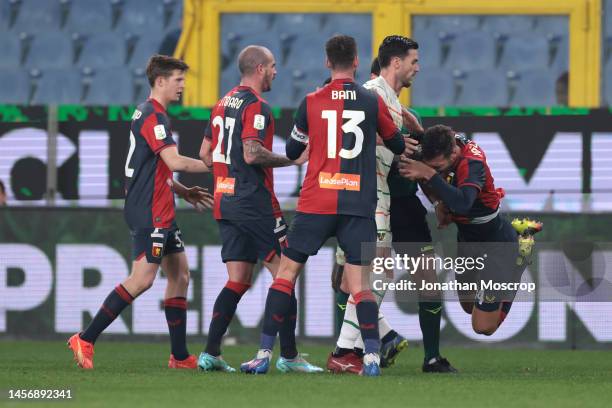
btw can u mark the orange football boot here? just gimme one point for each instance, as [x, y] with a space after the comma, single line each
[190, 362]
[83, 351]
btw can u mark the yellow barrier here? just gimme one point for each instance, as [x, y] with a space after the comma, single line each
[200, 41]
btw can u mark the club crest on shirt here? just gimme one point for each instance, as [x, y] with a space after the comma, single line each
[259, 122]
[160, 132]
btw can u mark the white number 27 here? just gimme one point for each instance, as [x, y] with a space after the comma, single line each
[217, 156]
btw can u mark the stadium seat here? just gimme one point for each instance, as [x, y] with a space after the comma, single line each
[141, 16]
[356, 25]
[307, 52]
[453, 24]
[50, 50]
[110, 87]
[176, 18]
[38, 15]
[552, 25]
[15, 86]
[484, 88]
[104, 50]
[420, 23]
[246, 23]
[145, 47]
[269, 40]
[230, 77]
[298, 24]
[58, 86]
[535, 88]
[430, 48]
[89, 16]
[525, 52]
[472, 50]
[282, 91]
[11, 51]
[559, 54]
[5, 15]
[433, 87]
[506, 25]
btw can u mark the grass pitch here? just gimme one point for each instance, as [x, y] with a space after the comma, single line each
[135, 374]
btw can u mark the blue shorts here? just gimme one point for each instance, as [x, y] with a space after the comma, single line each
[309, 232]
[250, 240]
[155, 243]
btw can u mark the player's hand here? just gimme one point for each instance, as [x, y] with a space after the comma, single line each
[415, 170]
[410, 121]
[412, 146]
[379, 141]
[443, 215]
[303, 157]
[199, 198]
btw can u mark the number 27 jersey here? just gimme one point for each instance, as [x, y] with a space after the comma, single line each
[340, 122]
[242, 191]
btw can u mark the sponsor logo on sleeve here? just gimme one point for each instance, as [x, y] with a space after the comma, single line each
[160, 132]
[259, 122]
[298, 135]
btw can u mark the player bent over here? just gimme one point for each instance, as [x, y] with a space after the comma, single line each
[238, 142]
[338, 123]
[149, 213]
[469, 198]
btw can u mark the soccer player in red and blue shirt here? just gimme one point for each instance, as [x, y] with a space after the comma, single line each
[149, 213]
[468, 198]
[238, 143]
[338, 123]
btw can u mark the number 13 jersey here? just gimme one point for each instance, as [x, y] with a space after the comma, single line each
[340, 122]
[242, 191]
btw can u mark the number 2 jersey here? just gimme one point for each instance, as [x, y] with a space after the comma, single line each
[149, 200]
[242, 191]
[340, 122]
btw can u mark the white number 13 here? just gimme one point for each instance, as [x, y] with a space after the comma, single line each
[352, 126]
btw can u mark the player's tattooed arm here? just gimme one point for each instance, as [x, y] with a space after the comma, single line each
[256, 153]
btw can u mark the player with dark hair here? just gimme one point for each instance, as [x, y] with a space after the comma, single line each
[400, 218]
[238, 144]
[469, 198]
[338, 123]
[149, 213]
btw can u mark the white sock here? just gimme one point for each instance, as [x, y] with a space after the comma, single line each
[349, 332]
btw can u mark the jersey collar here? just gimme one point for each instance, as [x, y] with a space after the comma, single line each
[157, 104]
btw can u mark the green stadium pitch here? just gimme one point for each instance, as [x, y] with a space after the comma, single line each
[135, 375]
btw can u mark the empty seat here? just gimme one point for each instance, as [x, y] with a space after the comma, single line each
[307, 51]
[268, 40]
[430, 49]
[50, 50]
[176, 18]
[472, 50]
[141, 16]
[58, 86]
[110, 87]
[15, 86]
[356, 25]
[246, 22]
[38, 15]
[230, 77]
[559, 55]
[484, 88]
[420, 23]
[11, 51]
[297, 23]
[145, 47]
[282, 91]
[508, 24]
[89, 16]
[453, 24]
[5, 15]
[104, 50]
[433, 87]
[552, 25]
[525, 52]
[535, 88]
